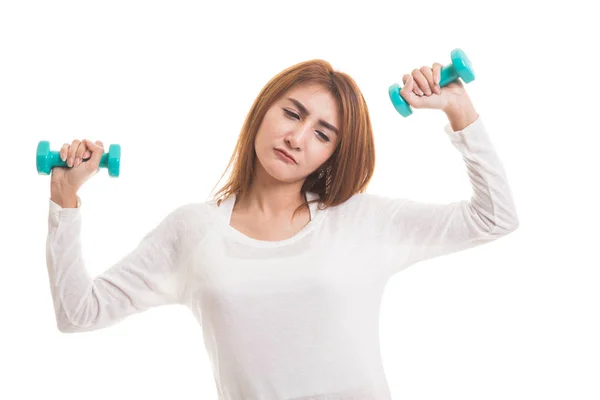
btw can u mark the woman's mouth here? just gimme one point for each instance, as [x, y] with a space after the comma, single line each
[284, 157]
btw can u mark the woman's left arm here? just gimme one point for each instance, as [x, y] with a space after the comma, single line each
[408, 231]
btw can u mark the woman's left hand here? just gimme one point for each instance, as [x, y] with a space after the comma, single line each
[421, 89]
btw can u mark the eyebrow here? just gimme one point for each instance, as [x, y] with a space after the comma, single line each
[304, 111]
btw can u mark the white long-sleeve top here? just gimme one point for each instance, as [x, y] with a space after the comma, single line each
[290, 319]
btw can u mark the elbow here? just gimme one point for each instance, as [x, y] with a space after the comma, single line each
[65, 328]
[64, 325]
[71, 328]
[512, 223]
[505, 227]
[503, 221]
[497, 222]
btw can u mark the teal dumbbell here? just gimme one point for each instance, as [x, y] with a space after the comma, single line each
[46, 159]
[459, 68]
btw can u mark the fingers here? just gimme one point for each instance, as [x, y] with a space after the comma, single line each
[437, 73]
[78, 151]
[64, 151]
[414, 88]
[422, 80]
[71, 152]
[426, 80]
[432, 85]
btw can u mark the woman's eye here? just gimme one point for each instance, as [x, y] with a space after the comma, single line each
[324, 136]
[291, 114]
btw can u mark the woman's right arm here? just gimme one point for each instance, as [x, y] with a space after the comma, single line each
[153, 274]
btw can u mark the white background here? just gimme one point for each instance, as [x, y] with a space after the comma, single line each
[172, 81]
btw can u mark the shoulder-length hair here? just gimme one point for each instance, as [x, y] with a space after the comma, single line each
[350, 167]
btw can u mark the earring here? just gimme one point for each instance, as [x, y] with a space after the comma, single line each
[321, 173]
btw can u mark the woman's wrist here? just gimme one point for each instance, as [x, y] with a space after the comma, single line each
[65, 197]
[461, 114]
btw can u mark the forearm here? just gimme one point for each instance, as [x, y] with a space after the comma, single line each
[64, 196]
[461, 114]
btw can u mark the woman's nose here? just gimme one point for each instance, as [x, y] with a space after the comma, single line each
[296, 137]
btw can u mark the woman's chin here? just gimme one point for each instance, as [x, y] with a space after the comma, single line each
[283, 175]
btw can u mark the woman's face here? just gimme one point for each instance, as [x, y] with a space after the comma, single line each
[303, 123]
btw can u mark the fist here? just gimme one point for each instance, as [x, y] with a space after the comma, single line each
[83, 161]
[422, 90]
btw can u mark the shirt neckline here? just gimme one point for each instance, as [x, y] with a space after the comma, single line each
[226, 210]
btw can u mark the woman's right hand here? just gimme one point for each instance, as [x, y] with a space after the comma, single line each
[84, 158]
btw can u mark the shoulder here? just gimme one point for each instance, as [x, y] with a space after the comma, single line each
[193, 212]
[185, 225]
[191, 209]
[189, 218]
[368, 210]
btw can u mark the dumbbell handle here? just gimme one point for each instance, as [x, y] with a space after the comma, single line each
[57, 162]
[448, 74]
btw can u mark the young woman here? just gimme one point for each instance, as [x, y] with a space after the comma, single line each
[285, 266]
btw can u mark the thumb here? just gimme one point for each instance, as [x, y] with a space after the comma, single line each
[97, 150]
[407, 93]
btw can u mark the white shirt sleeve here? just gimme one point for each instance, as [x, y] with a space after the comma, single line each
[413, 231]
[149, 276]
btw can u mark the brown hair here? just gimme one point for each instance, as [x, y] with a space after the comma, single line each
[350, 167]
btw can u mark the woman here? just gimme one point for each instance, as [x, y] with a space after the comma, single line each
[285, 270]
